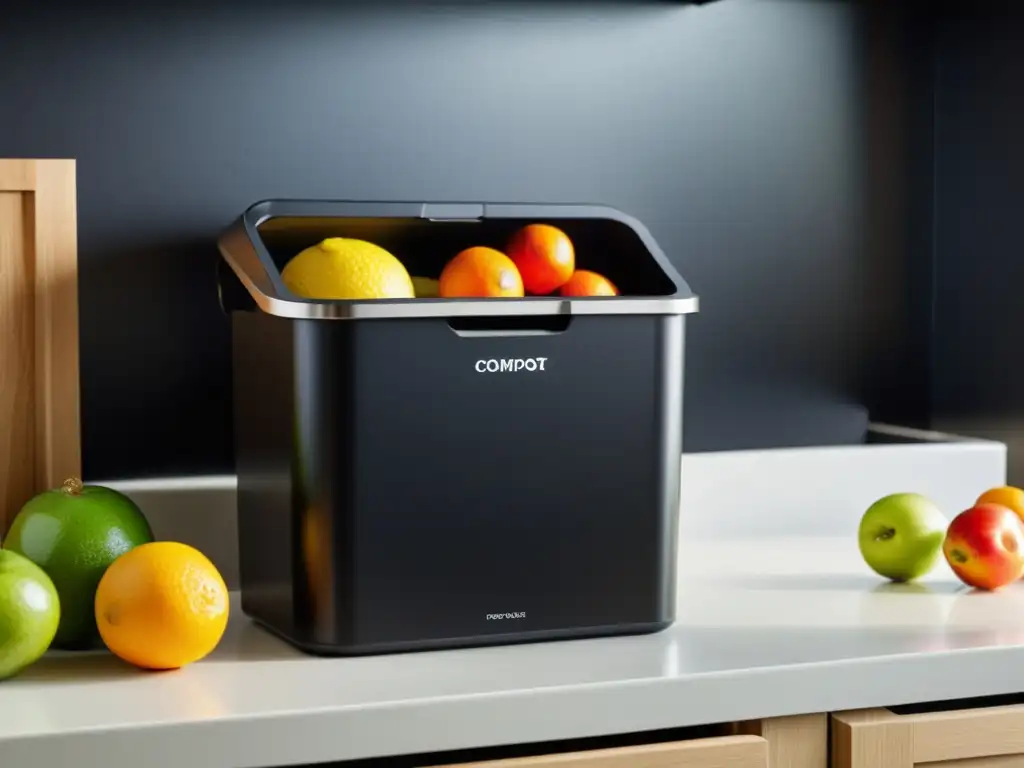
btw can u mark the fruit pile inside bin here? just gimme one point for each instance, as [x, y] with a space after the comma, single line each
[539, 259]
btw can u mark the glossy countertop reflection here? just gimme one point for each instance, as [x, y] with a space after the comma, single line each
[768, 627]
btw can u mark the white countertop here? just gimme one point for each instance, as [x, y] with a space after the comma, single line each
[776, 626]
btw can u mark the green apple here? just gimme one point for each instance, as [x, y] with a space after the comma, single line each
[901, 536]
[29, 613]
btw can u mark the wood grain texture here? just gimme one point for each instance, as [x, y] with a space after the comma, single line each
[793, 742]
[874, 738]
[1006, 761]
[988, 737]
[717, 752]
[40, 434]
[17, 175]
[969, 733]
[17, 395]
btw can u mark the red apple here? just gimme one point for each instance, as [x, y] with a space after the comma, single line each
[985, 546]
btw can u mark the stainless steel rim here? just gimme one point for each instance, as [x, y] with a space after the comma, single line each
[241, 256]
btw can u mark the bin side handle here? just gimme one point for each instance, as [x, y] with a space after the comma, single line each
[509, 325]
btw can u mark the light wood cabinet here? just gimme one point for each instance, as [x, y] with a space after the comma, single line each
[800, 741]
[986, 737]
[39, 397]
[740, 751]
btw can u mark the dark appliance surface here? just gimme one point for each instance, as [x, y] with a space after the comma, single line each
[440, 473]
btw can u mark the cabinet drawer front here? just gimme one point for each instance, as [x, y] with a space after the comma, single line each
[991, 737]
[718, 752]
[969, 733]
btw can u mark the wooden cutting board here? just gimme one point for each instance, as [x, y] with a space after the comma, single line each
[40, 442]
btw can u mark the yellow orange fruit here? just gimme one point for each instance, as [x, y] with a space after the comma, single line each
[346, 268]
[161, 606]
[1006, 495]
[544, 255]
[586, 283]
[480, 272]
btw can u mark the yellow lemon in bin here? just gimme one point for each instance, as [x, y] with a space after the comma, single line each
[347, 268]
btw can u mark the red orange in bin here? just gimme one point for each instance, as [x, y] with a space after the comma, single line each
[539, 260]
[480, 271]
[586, 283]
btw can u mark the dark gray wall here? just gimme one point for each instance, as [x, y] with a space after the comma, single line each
[766, 143]
[979, 166]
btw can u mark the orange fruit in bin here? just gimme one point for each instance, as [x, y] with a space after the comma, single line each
[586, 283]
[544, 255]
[480, 272]
[161, 605]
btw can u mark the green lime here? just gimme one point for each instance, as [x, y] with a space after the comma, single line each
[74, 533]
[29, 613]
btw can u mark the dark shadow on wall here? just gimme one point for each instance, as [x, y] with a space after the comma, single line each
[733, 130]
[896, 159]
[157, 365]
[979, 156]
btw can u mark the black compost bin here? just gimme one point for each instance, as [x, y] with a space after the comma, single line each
[427, 473]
